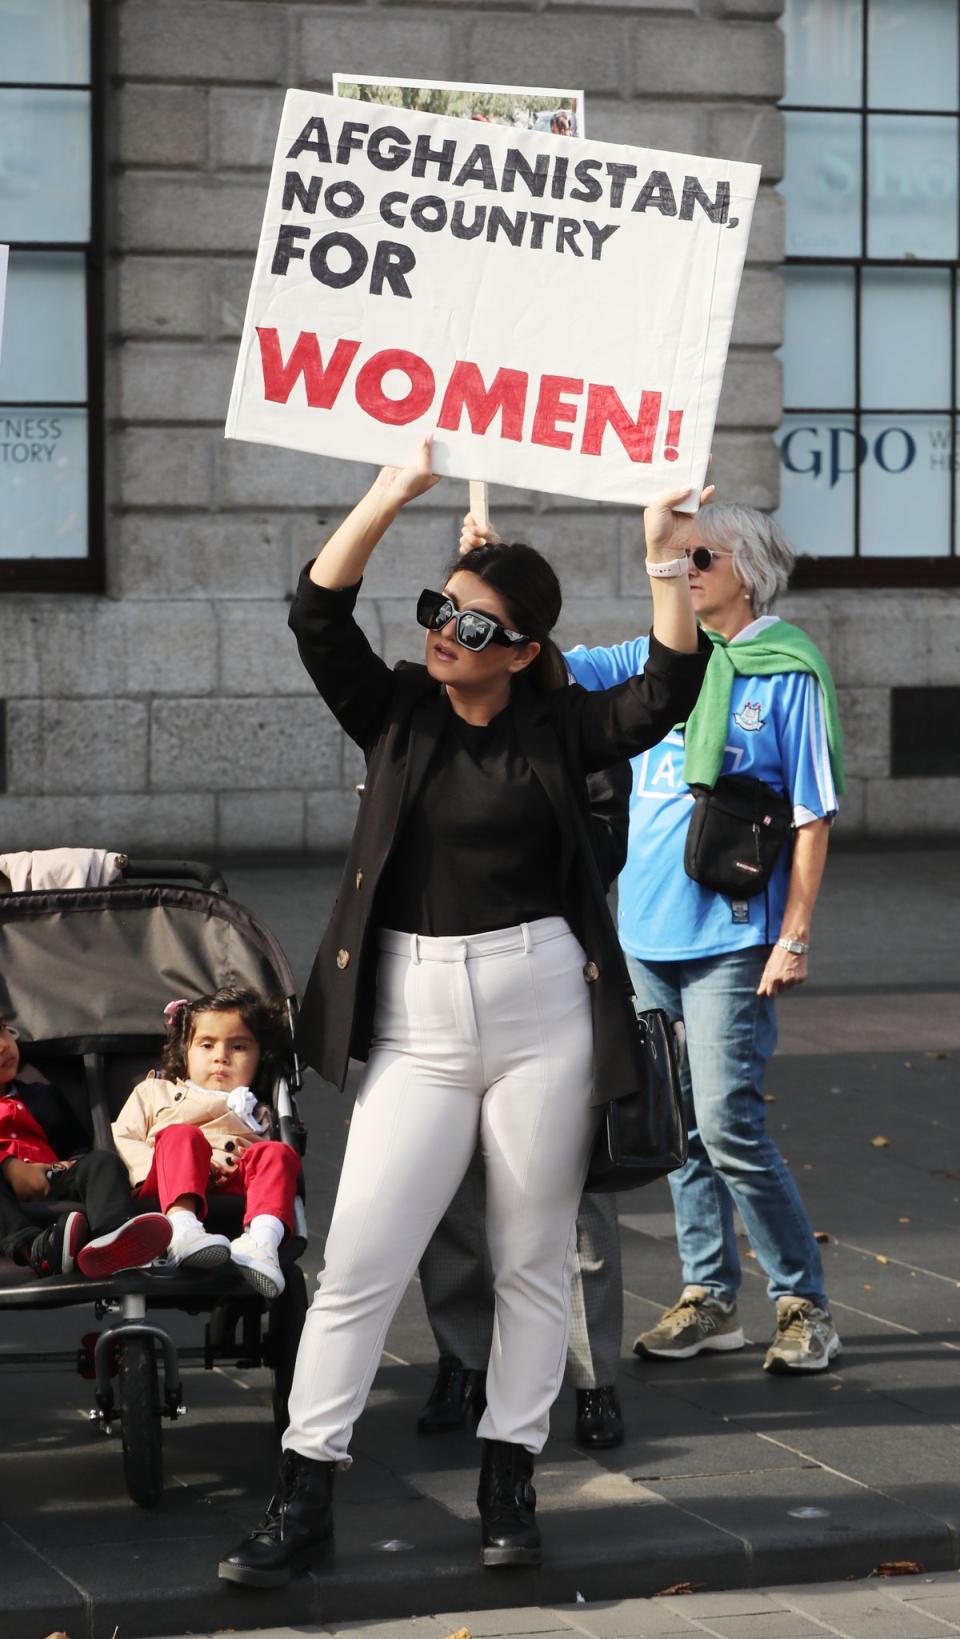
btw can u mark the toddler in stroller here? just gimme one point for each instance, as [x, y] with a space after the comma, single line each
[198, 1127]
[46, 1156]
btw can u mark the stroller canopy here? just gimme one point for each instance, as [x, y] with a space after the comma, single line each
[94, 964]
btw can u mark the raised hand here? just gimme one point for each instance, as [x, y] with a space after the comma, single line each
[403, 484]
[668, 533]
[471, 535]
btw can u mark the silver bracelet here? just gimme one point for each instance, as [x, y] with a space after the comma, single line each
[670, 570]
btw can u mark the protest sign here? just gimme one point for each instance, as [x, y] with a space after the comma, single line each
[522, 107]
[556, 311]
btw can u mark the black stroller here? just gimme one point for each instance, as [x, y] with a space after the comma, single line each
[84, 976]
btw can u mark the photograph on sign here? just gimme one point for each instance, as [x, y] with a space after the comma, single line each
[522, 107]
[556, 312]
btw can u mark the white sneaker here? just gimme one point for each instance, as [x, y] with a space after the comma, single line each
[259, 1264]
[196, 1249]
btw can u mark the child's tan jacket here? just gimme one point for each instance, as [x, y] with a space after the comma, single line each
[155, 1104]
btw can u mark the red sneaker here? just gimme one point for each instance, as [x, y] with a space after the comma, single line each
[134, 1244]
[55, 1251]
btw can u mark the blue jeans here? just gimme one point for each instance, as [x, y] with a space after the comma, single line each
[731, 1034]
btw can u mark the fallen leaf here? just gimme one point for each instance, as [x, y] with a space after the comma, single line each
[937, 1055]
[881, 1259]
[769, 1098]
[880, 1143]
[821, 1236]
[675, 1588]
[867, 1287]
[461, 1633]
[836, 1387]
[808, 1166]
[903, 1220]
[899, 1567]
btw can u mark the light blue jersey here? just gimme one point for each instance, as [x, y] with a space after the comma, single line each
[778, 734]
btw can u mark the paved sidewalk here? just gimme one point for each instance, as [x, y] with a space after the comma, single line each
[729, 1478]
[909, 1607]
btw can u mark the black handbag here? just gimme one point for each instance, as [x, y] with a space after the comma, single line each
[643, 1135]
[737, 830]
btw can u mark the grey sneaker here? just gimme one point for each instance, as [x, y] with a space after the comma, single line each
[805, 1340]
[697, 1321]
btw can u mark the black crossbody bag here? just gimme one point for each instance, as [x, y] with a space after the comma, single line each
[738, 829]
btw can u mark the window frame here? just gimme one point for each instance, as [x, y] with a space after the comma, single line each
[87, 574]
[858, 569]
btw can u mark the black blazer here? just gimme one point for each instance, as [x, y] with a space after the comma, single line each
[397, 717]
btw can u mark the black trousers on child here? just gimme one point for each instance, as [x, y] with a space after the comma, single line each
[99, 1184]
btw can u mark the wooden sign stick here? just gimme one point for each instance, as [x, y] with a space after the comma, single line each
[479, 505]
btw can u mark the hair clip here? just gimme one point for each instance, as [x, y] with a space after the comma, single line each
[173, 1008]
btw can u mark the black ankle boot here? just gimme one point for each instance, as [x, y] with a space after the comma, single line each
[296, 1531]
[599, 1418]
[457, 1393]
[506, 1500]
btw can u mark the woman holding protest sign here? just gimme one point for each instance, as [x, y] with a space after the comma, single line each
[472, 961]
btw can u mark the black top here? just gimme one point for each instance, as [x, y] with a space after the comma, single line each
[52, 1112]
[398, 718]
[479, 848]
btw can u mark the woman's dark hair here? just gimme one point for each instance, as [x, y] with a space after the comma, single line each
[265, 1020]
[531, 592]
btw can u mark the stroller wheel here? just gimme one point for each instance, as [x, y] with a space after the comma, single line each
[285, 1324]
[140, 1425]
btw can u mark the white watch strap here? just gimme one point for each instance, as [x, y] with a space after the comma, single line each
[667, 571]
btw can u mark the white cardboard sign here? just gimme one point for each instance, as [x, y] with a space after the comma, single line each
[4, 259]
[556, 312]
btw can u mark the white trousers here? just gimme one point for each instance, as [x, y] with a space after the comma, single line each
[490, 1035]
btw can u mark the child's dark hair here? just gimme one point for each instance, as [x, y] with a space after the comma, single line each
[531, 591]
[264, 1018]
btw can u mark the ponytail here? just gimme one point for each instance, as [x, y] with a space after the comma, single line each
[549, 670]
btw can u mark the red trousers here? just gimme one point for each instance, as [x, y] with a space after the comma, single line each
[266, 1173]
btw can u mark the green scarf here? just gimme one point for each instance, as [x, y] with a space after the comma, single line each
[779, 648]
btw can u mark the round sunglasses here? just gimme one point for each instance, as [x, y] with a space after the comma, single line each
[703, 558]
[473, 630]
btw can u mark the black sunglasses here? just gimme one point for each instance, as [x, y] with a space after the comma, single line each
[473, 630]
[702, 558]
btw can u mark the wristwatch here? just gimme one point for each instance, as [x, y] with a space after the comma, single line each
[796, 947]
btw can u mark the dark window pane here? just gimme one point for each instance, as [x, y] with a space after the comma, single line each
[924, 733]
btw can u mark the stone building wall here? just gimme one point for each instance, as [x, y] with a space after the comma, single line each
[172, 713]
